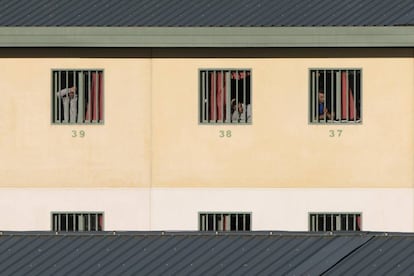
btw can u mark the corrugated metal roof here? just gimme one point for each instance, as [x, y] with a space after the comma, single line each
[204, 13]
[200, 253]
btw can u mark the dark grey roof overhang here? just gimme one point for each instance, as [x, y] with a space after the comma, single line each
[349, 36]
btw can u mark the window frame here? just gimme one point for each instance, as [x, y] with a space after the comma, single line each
[54, 89]
[77, 213]
[201, 84]
[311, 102]
[200, 214]
[325, 214]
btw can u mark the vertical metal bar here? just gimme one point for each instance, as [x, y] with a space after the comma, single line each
[223, 107]
[324, 222]
[81, 97]
[67, 222]
[324, 94]
[207, 222]
[60, 98]
[332, 96]
[338, 222]
[346, 221]
[96, 222]
[355, 95]
[347, 93]
[244, 117]
[54, 97]
[214, 222]
[59, 223]
[89, 98]
[332, 224]
[74, 222]
[97, 88]
[89, 222]
[208, 103]
[237, 96]
[203, 97]
[317, 95]
[202, 223]
[66, 118]
[74, 84]
[338, 95]
[228, 97]
[81, 222]
[355, 228]
[312, 111]
[215, 95]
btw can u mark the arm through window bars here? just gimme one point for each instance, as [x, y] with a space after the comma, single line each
[225, 96]
[335, 96]
[86, 106]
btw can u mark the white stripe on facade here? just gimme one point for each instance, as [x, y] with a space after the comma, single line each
[178, 208]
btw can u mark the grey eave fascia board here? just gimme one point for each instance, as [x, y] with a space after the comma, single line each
[397, 36]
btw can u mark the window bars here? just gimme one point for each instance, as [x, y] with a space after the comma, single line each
[225, 96]
[77, 222]
[225, 221]
[335, 96]
[77, 96]
[335, 222]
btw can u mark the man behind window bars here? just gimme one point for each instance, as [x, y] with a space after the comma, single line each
[70, 103]
[324, 112]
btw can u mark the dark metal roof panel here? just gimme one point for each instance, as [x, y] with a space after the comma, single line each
[381, 256]
[205, 13]
[192, 253]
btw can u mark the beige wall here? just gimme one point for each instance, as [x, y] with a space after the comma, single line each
[280, 148]
[151, 135]
[35, 153]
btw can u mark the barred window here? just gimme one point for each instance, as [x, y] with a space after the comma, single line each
[77, 96]
[335, 222]
[225, 221]
[335, 96]
[225, 96]
[77, 222]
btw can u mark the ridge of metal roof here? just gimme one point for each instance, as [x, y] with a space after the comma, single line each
[210, 233]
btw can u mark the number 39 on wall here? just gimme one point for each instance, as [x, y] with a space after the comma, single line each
[76, 133]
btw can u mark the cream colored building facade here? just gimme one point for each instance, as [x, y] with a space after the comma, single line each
[151, 165]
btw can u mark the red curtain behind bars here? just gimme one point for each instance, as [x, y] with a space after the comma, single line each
[218, 85]
[345, 88]
[96, 97]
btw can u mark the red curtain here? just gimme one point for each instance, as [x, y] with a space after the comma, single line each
[345, 87]
[96, 91]
[217, 84]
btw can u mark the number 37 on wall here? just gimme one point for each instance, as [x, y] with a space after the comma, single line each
[335, 133]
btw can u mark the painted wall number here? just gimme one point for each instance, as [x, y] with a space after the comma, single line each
[76, 133]
[225, 133]
[335, 133]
